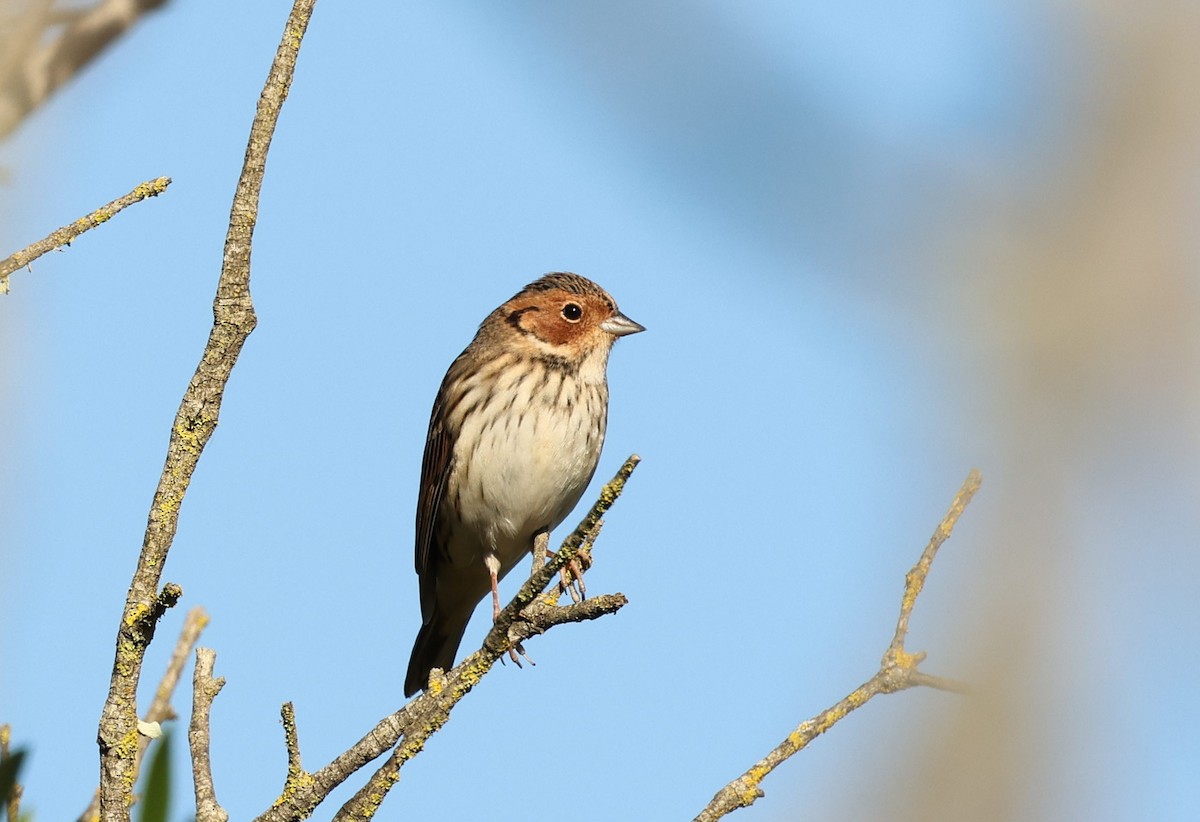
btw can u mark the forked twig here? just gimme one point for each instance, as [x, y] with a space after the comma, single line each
[897, 672]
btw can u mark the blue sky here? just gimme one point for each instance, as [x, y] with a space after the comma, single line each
[763, 187]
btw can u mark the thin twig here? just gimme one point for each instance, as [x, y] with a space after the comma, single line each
[160, 709]
[233, 320]
[204, 691]
[64, 236]
[897, 672]
[528, 614]
[914, 581]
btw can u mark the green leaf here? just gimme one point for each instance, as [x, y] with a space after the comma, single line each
[9, 769]
[156, 784]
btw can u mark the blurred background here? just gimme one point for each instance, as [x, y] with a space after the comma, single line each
[874, 246]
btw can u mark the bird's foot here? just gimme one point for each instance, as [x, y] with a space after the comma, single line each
[571, 576]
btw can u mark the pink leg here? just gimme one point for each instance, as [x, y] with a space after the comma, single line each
[493, 566]
[495, 596]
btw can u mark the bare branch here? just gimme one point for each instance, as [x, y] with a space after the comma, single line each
[160, 709]
[193, 625]
[233, 320]
[530, 613]
[30, 71]
[897, 672]
[64, 236]
[204, 691]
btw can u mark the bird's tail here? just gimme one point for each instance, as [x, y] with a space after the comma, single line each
[437, 643]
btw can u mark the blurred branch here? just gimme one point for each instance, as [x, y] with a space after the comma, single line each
[528, 614]
[47, 46]
[204, 690]
[195, 421]
[160, 709]
[897, 672]
[64, 236]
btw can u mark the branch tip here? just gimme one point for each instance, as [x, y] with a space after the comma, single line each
[291, 740]
[65, 235]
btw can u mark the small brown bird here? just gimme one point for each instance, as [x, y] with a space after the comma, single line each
[514, 439]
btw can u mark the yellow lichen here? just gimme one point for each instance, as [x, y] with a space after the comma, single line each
[169, 504]
[751, 781]
[191, 432]
[136, 614]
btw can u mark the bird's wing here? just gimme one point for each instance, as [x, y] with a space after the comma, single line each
[435, 473]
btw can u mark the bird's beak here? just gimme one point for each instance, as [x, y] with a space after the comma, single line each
[619, 325]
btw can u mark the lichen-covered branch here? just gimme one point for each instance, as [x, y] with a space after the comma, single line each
[44, 46]
[297, 778]
[897, 672]
[195, 421]
[160, 709]
[406, 731]
[64, 235]
[538, 617]
[204, 690]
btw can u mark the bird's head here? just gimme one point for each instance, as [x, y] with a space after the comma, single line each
[564, 316]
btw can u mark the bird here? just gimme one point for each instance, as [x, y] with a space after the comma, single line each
[514, 439]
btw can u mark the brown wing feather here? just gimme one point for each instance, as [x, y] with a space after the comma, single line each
[435, 473]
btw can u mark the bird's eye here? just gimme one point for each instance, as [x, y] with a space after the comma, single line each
[572, 312]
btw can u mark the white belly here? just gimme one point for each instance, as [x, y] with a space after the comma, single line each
[528, 470]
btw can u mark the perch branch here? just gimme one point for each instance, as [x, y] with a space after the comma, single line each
[897, 672]
[233, 320]
[537, 618]
[528, 614]
[204, 691]
[64, 236]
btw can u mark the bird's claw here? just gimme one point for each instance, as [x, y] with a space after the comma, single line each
[512, 654]
[571, 574]
[571, 581]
